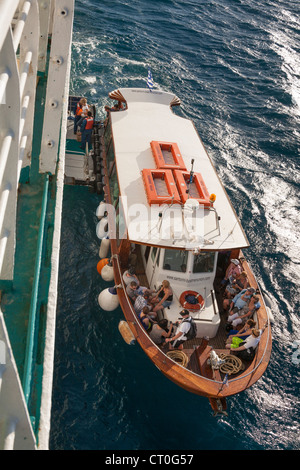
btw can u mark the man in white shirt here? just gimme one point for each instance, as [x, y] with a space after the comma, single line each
[182, 329]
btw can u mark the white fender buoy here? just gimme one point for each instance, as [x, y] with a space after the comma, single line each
[102, 263]
[269, 306]
[126, 333]
[104, 247]
[101, 209]
[107, 273]
[267, 300]
[102, 228]
[270, 315]
[108, 299]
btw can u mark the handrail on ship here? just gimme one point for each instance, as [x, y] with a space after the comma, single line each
[116, 256]
[33, 305]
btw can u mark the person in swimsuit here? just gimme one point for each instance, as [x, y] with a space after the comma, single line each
[164, 297]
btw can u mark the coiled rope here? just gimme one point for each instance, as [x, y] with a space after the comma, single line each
[178, 356]
[232, 364]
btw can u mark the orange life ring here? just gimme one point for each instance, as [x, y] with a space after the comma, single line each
[189, 306]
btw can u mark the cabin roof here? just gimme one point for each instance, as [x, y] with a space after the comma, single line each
[149, 117]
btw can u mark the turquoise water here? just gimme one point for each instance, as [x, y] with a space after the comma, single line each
[235, 66]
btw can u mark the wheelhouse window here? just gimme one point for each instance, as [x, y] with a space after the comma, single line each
[203, 263]
[153, 255]
[175, 260]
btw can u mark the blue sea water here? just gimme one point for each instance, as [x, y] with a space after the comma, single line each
[235, 65]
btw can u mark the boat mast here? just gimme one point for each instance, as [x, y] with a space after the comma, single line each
[190, 178]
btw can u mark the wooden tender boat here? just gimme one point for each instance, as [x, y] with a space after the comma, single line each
[155, 164]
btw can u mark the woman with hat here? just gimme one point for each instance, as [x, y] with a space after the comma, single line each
[250, 342]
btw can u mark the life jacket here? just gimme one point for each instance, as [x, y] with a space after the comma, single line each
[78, 109]
[89, 123]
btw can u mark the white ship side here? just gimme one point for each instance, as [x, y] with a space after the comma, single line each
[35, 55]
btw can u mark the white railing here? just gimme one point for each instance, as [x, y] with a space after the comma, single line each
[19, 48]
[24, 31]
[15, 427]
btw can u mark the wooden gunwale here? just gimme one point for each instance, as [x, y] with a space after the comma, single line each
[185, 378]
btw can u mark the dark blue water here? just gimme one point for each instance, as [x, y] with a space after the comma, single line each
[235, 65]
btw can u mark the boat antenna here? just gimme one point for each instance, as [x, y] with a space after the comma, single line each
[190, 178]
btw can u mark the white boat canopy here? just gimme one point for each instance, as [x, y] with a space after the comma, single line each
[148, 117]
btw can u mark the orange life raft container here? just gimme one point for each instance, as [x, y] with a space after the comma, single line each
[197, 190]
[164, 190]
[189, 306]
[167, 155]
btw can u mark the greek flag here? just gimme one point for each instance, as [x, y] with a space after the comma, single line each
[225, 381]
[150, 80]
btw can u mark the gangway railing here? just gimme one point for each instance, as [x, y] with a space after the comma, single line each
[15, 427]
[18, 66]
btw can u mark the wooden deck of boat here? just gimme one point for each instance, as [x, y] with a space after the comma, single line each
[189, 347]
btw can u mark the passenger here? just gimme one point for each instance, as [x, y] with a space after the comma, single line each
[134, 290]
[236, 284]
[243, 332]
[234, 267]
[251, 341]
[244, 313]
[242, 281]
[84, 113]
[87, 130]
[158, 332]
[143, 300]
[146, 319]
[240, 300]
[116, 107]
[164, 297]
[182, 329]
[130, 276]
[230, 290]
[132, 259]
[82, 102]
